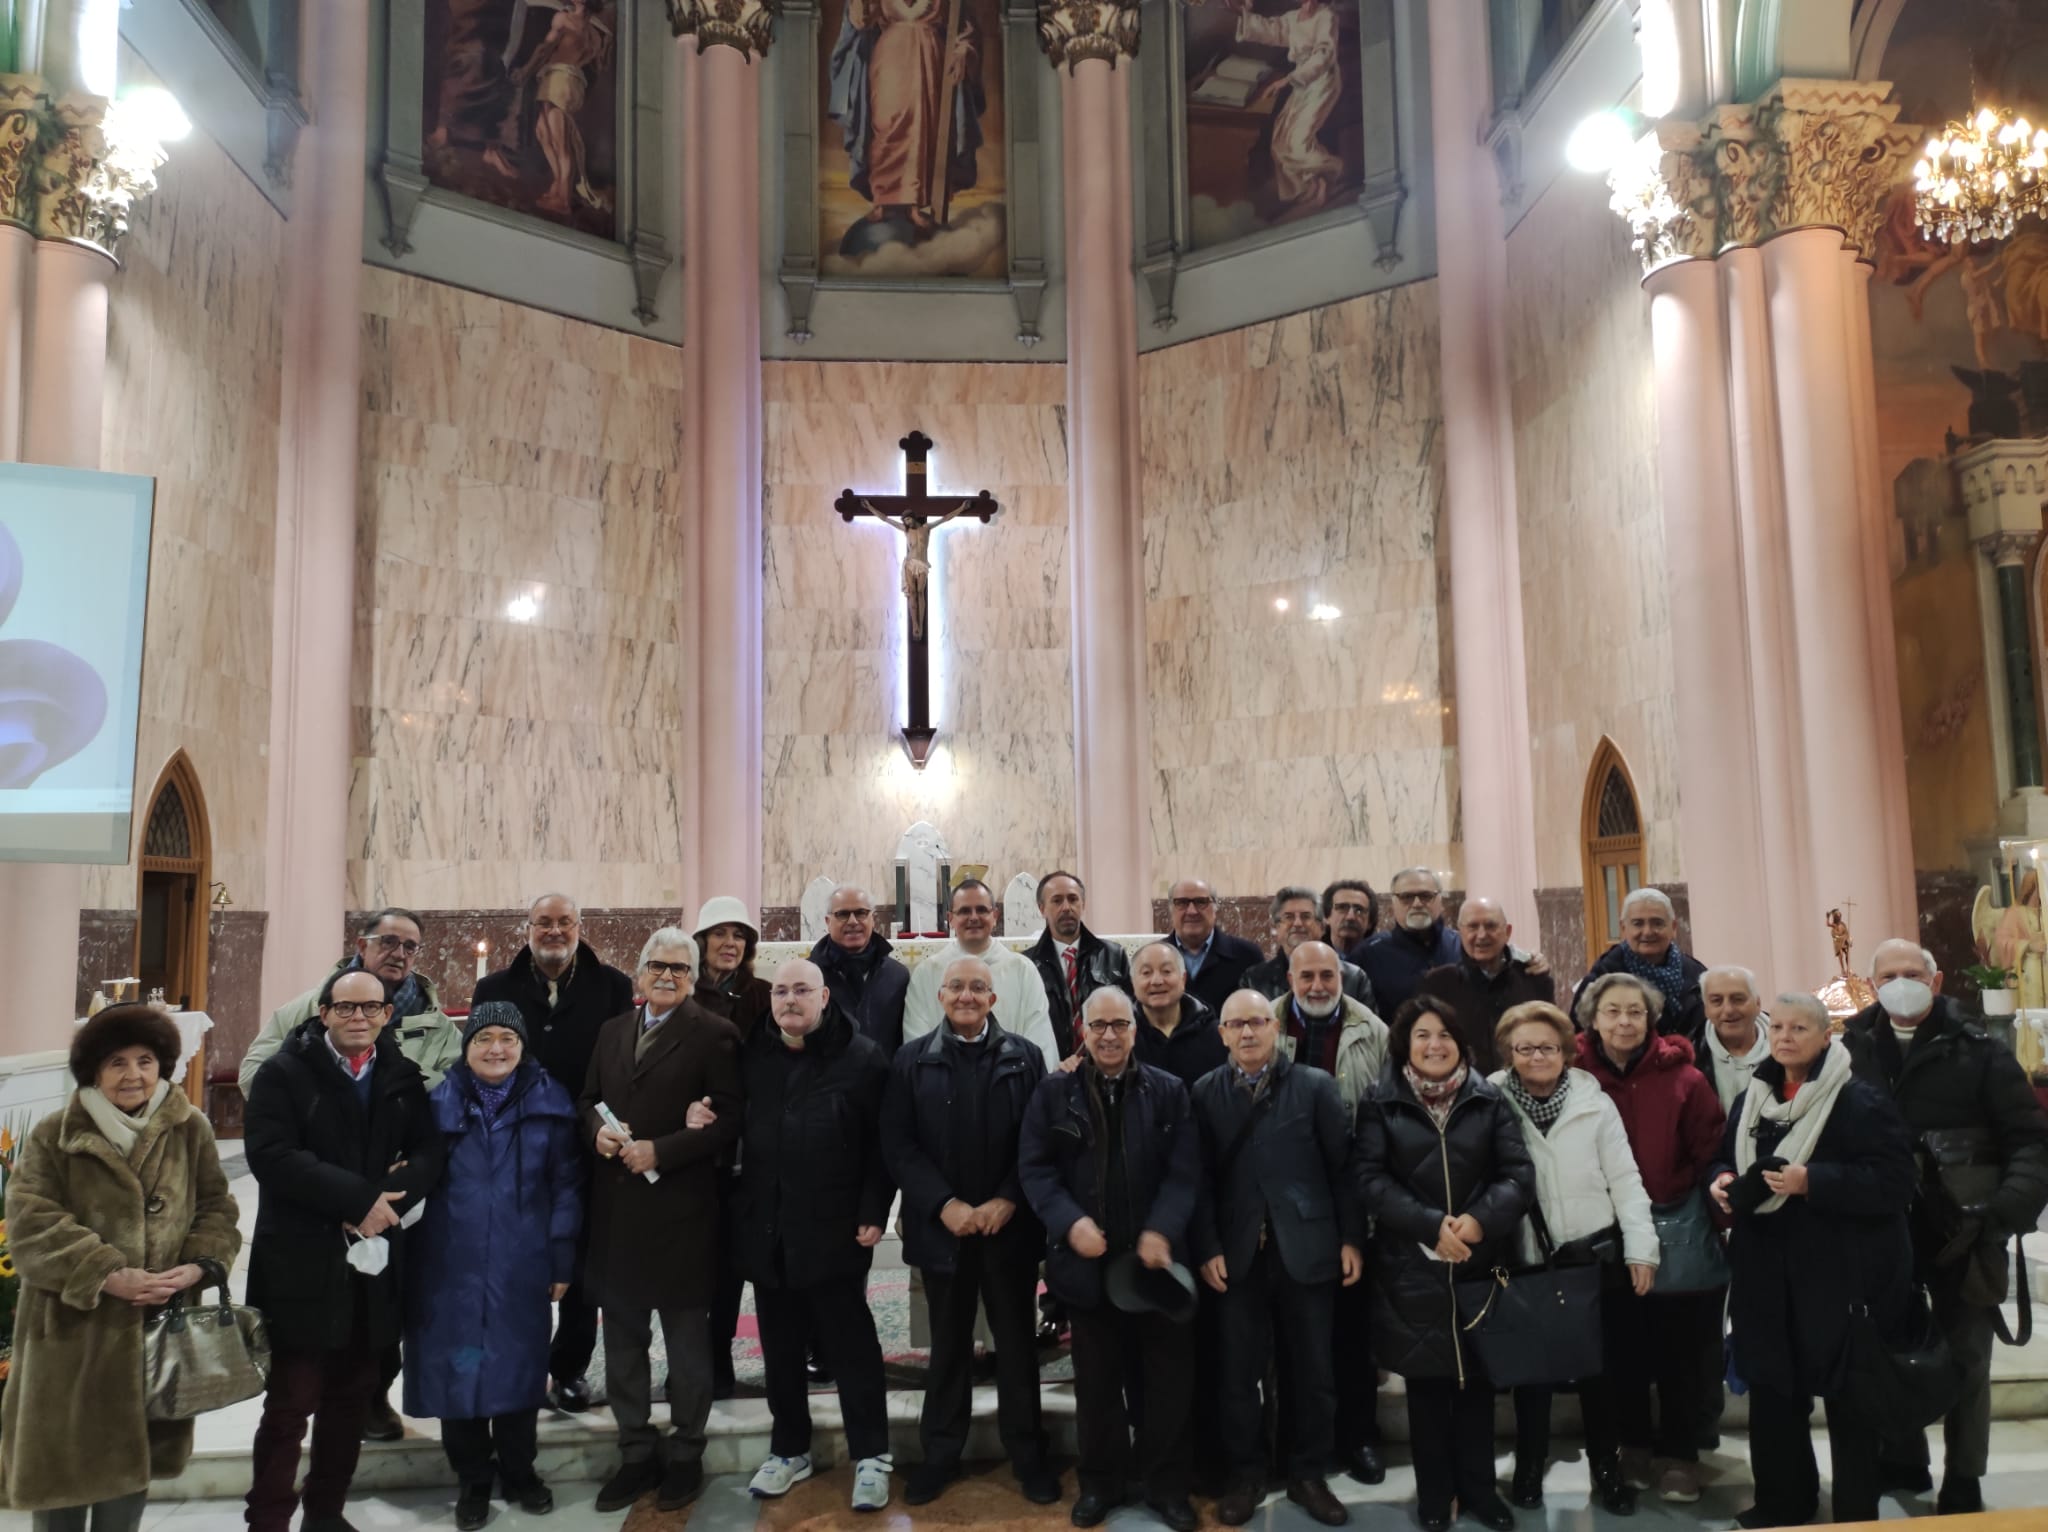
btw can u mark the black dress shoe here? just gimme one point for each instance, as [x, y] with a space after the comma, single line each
[1912, 1478]
[536, 1499]
[1239, 1504]
[1363, 1464]
[382, 1423]
[473, 1507]
[818, 1372]
[928, 1481]
[1049, 1332]
[1616, 1495]
[570, 1398]
[682, 1483]
[1433, 1521]
[627, 1485]
[1527, 1489]
[1314, 1497]
[1039, 1484]
[1176, 1512]
[1491, 1513]
[1959, 1496]
[1090, 1509]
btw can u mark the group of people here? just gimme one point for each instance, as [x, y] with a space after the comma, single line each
[1247, 1194]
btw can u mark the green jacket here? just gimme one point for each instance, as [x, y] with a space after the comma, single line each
[429, 1039]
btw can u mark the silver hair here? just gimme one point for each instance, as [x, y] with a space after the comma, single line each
[1794, 1000]
[1655, 896]
[1589, 1002]
[1748, 978]
[539, 899]
[848, 888]
[1288, 895]
[669, 939]
[1925, 956]
[1419, 872]
[1110, 994]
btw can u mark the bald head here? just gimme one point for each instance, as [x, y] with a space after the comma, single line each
[1159, 975]
[1316, 977]
[797, 998]
[1108, 1029]
[1483, 931]
[1250, 1030]
[967, 994]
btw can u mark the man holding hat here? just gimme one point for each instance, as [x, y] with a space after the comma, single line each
[1109, 1162]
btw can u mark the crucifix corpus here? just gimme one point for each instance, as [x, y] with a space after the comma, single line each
[917, 515]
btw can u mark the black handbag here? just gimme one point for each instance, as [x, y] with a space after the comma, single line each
[1902, 1387]
[1537, 1325]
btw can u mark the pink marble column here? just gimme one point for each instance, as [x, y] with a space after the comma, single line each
[1810, 286]
[1496, 792]
[1720, 808]
[314, 616]
[17, 259]
[1105, 516]
[721, 242]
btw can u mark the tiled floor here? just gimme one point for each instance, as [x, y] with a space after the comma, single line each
[988, 1500]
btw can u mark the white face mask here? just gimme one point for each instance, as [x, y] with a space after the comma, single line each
[1905, 999]
[369, 1256]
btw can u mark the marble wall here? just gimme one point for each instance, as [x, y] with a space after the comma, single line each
[517, 663]
[839, 790]
[1299, 461]
[195, 348]
[1595, 621]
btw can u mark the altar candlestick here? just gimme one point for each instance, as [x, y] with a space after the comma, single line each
[483, 959]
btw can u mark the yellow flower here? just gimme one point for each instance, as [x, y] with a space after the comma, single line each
[6, 1265]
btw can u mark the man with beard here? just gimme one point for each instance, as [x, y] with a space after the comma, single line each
[566, 992]
[1072, 960]
[387, 945]
[1418, 940]
[1295, 920]
[1649, 951]
[1215, 959]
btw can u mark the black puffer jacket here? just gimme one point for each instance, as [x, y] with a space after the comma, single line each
[1409, 1175]
[918, 1140]
[1191, 1050]
[811, 1170]
[1971, 1110]
[321, 1160]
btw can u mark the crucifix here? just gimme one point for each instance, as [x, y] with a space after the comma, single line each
[916, 515]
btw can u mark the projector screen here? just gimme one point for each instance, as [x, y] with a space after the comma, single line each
[74, 589]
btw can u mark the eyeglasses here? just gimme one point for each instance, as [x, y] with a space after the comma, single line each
[860, 914]
[973, 911]
[1107, 1024]
[349, 1010]
[660, 969]
[1537, 1050]
[392, 943]
[1245, 1023]
[1201, 903]
[792, 992]
[965, 987]
[1417, 896]
[1344, 908]
[1620, 1013]
[1299, 918]
[567, 923]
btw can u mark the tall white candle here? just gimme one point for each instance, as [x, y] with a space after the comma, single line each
[483, 959]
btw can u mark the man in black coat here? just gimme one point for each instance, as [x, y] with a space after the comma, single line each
[342, 1145]
[1983, 1148]
[1215, 959]
[813, 1198]
[866, 982]
[566, 992]
[1488, 979]
[1649, 950]
[1398, 955]
[1109, 1162]
[949, 1130]
[1176, 1032]
[1277, 1232]
[1072, 960]
[1351, 911]
[1296, 921]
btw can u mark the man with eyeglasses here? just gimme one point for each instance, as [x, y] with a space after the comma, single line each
[1072, 960]
[653, 1237]
[1216, 960]
[1296, 919]
[1351, 910]
[567, 993]
[1649, 951]
[1109, 1161]
[387, 947]
[1276, 1235]
[866, 982]
[1488, 980]
[950, 1130]
[1398, 956]
[1020, 995]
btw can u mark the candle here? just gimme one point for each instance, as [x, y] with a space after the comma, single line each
[902, 900]
[483, 959]
[945, 898]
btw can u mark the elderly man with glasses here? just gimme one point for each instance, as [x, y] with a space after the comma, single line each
[1400, 954]
[1297, 920]
[866, 982]
[1020, 993]
[1216, 960]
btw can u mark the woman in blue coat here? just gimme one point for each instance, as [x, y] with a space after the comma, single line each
[495, 1248]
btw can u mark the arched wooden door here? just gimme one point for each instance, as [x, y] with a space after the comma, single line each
[1611, 845]
[173, 874]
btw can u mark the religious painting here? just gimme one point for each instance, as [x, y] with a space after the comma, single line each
[911, 177]
[520, 106]
[1960, 341]
[1275, 126]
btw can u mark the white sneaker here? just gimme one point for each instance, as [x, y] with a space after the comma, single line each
[871, 1483]
[778, 1476]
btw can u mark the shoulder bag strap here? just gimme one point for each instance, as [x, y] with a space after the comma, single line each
[2025, 1300]
[1543, 1240]
[1243, 1135]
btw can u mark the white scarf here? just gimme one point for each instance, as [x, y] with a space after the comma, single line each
[1807, 1112]
[118, 1127]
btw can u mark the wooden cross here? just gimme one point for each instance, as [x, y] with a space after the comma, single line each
[916, 515]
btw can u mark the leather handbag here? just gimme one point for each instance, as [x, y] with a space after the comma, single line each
[198, 1357]
[1537, 1325]
[1901, 1387]
[1691, 1258]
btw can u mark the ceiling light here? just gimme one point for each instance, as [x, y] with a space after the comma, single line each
[1323, 612]
[1279, 603]
[522, 609]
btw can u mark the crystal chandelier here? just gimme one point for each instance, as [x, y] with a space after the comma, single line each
[1981, 177]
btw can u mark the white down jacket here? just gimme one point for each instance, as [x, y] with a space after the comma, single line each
[1586, 1176]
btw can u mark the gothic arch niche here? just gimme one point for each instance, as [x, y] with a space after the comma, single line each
[173, 870]
[1610, 844]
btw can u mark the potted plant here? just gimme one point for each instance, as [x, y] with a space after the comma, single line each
[1996, 986]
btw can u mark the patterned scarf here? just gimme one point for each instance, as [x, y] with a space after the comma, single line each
[1541, 1111]
[1436, 1096]
[1669, 975]
[492, 1098]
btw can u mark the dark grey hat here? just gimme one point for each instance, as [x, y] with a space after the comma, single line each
[1136, 1288]
[494, 1013]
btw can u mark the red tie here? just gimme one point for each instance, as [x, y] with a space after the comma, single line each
[1073, 976]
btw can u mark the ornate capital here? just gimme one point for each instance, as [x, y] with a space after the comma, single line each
[1809, 154]
[1073, 30]
[22, 107]
[2009, 549]
[72, 148]
[748, 25]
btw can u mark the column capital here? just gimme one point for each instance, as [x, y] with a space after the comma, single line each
[23, 104]
[2009, 549]
[1073, 30]
[1807, 154]
[745, 25]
